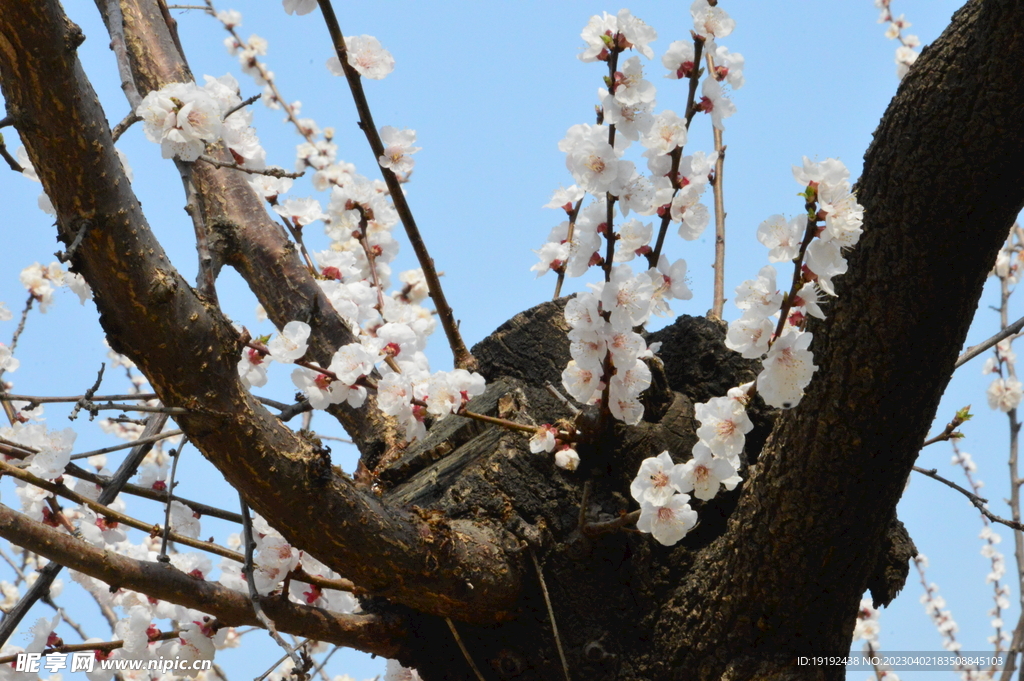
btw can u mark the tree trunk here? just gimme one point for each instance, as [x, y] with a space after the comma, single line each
[471, 526]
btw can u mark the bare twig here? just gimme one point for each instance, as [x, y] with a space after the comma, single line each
[6, 155]
[241, 105]
[87, 397]
[979, 502]
[37, 399]
[209, 267]
[127, 445]
[114, 20]
[462, 647]
[65, 256]
[551, 614]
[149, 493]
[975, 350]
[121, 128]
[716, 186]
[272, 172]
[594, 529]
[176, 454]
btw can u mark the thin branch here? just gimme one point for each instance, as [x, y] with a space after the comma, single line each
[462, 356]
[171, 411]
[949, 432]
[551, 614]
[254, 596]
[104, 646]
[154, 495]
[979, 502]
[124, 519]
[241, 105]
[87, 397]
[121, 128]
[573, 214]
[716, 186]
[6, 155]
[65, 256]
[677, 153]
[127, 445]
[272, 667]
[319, 669]
[976, 350]
[206, 277]
[272, 172]
[462, 647]
[114, 20]
[594, 529]
[176, 454]
[35, 399]
[367, 632]
[553, 391]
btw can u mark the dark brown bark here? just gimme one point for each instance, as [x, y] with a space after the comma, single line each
[775, 569]
[189, 351]
[381, 635]
[941, 186]
[242, 234]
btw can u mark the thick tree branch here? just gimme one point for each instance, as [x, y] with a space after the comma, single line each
[188, 350]
[242, 233]
[369, 633]
[813, 514]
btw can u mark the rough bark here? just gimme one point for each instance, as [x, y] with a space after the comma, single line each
[239, 229]
[188, 351]
[775, 569]
[381, 635]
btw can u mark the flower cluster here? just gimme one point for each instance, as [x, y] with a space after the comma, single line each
[935, 606]
[662, 488]
[594, 153]
[608, 364]
[603, 341]
[547, 438]
[713, 465]
[52, 447]
[406, 388]
[772, 324]
[607, 353]
[183, 118]
[354, 271]
[905, 53]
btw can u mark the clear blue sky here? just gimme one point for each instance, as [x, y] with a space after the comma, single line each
[490, 89]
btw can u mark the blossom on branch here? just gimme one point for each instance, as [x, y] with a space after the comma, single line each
[366, 55]
[397, 149]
